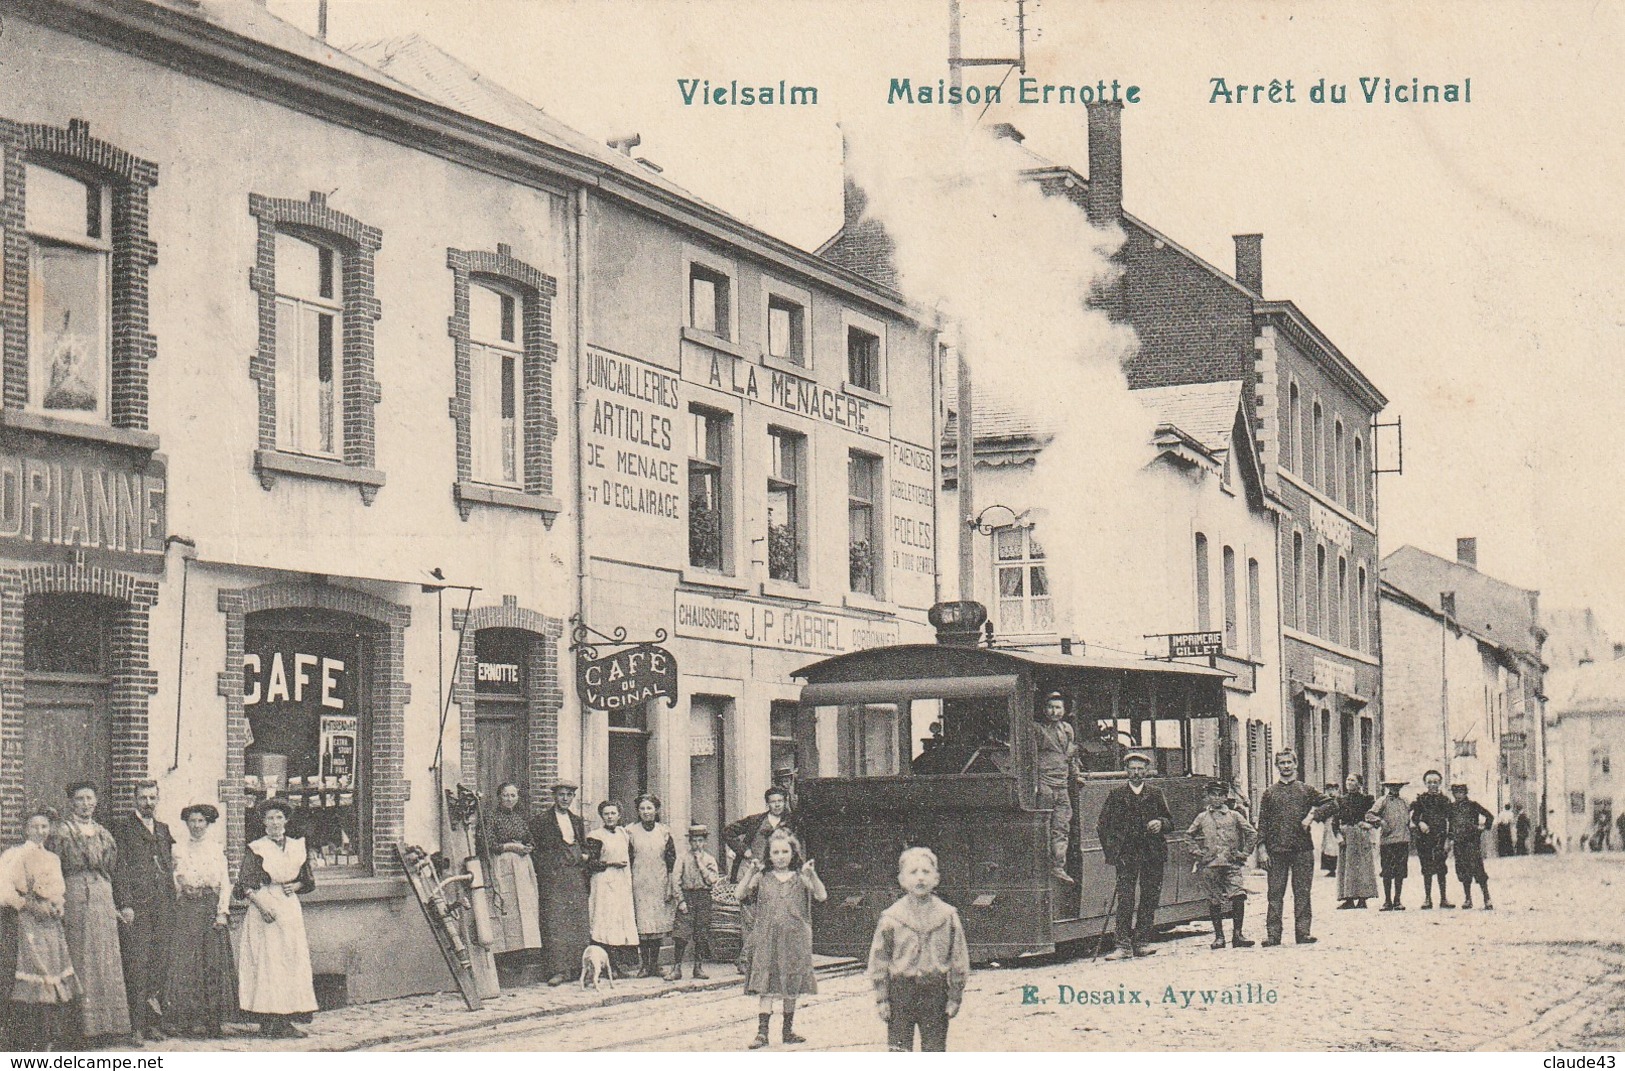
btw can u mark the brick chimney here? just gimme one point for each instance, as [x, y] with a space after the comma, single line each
[1250, 262]
[1467, 551]
[864, 247]
[1105, 200]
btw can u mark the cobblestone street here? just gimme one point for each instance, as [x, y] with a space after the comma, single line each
[1545, 969]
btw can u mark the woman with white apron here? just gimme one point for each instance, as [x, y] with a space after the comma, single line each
[274, 976]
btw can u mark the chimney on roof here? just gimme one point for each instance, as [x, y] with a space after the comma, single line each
[1250, 262]
[625, 143]
[1008, 132]
[1105, 200]
[1467, 551]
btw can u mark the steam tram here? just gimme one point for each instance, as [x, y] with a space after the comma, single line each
[934, 745]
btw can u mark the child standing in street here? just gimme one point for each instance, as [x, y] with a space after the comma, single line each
[919, 960]
[697, 871]
[781, 940]
[1222, 840]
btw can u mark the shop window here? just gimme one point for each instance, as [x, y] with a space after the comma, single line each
[1204, 586]
[1021, 577]
[306, 692]
[786, 329]
[497, 371]
[710, 306]
[786, 517]
[864, 552]
[709, 500]
[782, 717]
[69, 294]
[1232, 620]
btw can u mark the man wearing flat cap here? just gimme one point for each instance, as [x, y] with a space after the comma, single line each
[1430, 831]
[1392, 816]
[561, 883]
[1469, 820]
[1134, 822]
[1286, 812]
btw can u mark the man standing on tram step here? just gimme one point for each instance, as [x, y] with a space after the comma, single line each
[144, 893]
[1057, 768]
[1430, 821]
[1134, 821]
[1392, 815]
[1288, 809]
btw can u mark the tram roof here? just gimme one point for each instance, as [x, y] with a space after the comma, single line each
[932, 658]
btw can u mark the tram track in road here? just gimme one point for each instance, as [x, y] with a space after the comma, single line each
[698, 1005]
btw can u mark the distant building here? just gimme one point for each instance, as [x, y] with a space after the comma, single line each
[1463, 677]
[1583, 725]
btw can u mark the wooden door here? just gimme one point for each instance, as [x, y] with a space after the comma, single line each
[67, 737]
[500, 730]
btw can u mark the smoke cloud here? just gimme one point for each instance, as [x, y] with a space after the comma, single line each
[1010, 270]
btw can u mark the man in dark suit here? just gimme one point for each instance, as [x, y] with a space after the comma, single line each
[747, 838]
[144, 893]
[561, 883]
[1285, 814]
[1134, 822]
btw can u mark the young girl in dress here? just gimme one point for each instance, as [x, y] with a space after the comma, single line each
[781, 941]
[44, 985]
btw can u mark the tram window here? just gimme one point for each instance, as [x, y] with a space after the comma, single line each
[970, 735]
[869, 737]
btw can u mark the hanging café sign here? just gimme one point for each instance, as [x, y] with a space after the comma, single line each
[637, 673]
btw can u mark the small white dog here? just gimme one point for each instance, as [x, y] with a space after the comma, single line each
[595, 965]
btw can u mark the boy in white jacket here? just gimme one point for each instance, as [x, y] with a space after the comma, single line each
[919, 960]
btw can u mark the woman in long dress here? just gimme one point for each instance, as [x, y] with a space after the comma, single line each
[1356, 869]
[89, 920]
[506, 835]
[609, 855]
[275, 981]
[654, 883]
[44, 986]
[200, 989]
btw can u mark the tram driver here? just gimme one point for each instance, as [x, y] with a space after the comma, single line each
[1057, 767]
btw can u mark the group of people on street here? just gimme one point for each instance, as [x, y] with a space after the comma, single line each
[1135, 821]
[122, 932]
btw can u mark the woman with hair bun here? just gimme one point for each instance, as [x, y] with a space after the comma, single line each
[43, 986]
[654, 884]
[276, 980]
[609, 859]
[200, 988]
[90, 921]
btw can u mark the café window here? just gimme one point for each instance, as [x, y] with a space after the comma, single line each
[69, 225]
[305, 694]
[628, 756]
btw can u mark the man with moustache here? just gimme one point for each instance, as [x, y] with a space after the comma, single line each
[144, 893]
[1134, 824]
[561, 883]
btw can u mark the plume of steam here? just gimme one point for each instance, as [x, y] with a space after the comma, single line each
[1012, 271]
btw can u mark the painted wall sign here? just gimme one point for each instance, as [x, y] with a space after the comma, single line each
[634, 461]
[499, 678]
[627, 678]
[1334, 677]
[785, 628]
[782, 390]
[1195, 644]
[83, 504]
[913, 476]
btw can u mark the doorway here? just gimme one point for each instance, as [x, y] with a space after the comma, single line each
[67, 695]
[502, 710]
[707, 785]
